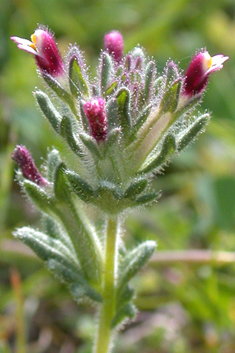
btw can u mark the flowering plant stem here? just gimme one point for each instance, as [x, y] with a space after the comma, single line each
[121, 127]
[107, 311]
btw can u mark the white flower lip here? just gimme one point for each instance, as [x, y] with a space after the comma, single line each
[25, 45]
[217, 63]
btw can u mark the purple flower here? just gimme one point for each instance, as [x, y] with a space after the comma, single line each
[113, 43]
[45, 51]
[25, 161]
[199, 70]
[96, 115]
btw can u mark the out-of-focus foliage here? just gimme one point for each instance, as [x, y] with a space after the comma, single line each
[183, 308]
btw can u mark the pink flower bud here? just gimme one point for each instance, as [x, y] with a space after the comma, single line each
[25, 161]
[113, 43]
[197, 74]
[96, 115]
[45, 51]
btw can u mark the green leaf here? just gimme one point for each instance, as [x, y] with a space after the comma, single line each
[60, 261]
[95, 91]
[109, 198]
[80, 187]
[168, 148]
[83, 116]
[79, 290]
[79, 287]
[84, 239]
[171, 97]
[46, 247]
[39, 197]
[172, 73]
[112, 113]
[77, 82]
[110, 90]
[107, 71]
[55, 231]
[111, 140]
[81, 233]
[66, 131]
[60, 91]
[67, 274]
[133, 262]
[127, 63]
[48, 110]
[188, 106]
[126, 311]
[158, 85]
[136, 188]
[125, 296]
[149, 80]
[109, 190]
[53, 159]
[191, 133]
[146, 199]
[139, 122]
[62, 189]
[123, 105]
[91, 145]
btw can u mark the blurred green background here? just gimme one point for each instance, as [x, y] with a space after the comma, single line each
[183, 307]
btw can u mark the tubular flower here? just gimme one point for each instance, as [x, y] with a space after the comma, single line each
[113, 43]
[97, 118]
[45, 51]
[197, 74]
[25, 161]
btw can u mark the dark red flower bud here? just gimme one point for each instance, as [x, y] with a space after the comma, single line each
[25, 161]
[96, 115]
[113, 43]
[197, 74]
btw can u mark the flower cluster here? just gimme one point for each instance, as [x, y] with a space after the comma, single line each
[131, 81]
[124, 122]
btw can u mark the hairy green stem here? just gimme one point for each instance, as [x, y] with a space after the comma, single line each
[107, 311]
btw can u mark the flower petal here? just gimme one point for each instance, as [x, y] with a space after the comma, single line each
[25, 45]
[22, 41]
[28, 49]
[217, 63]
